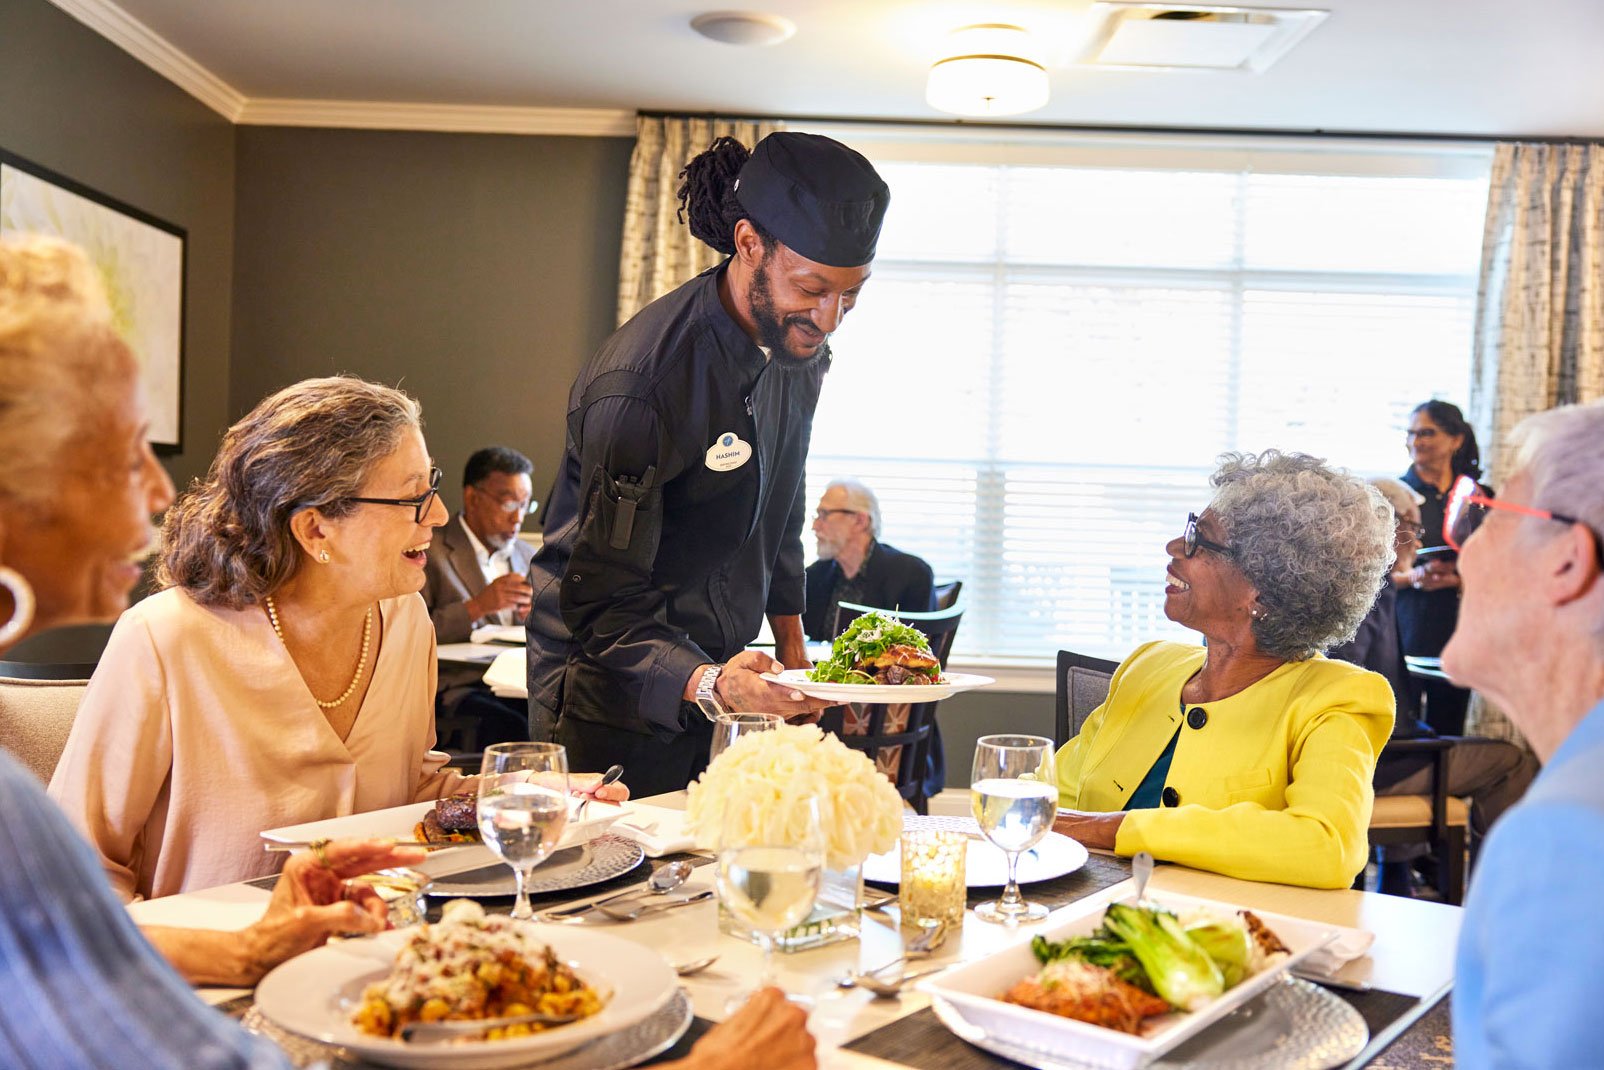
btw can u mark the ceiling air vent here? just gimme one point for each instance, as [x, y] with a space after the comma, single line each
[1196, 37]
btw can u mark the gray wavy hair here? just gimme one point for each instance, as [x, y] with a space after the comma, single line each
[1314, 540]
[227, 541]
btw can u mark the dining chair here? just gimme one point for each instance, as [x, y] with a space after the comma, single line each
[1082, 686]
[896, 735]
[1436, 819]
[946, 594]
[37, 705]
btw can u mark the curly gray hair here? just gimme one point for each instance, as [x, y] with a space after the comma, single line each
[227, 541]
[1314, 540]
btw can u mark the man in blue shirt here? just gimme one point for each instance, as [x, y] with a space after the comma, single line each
[1531, 637]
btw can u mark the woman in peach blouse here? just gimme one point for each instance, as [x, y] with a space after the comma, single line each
[286, 673]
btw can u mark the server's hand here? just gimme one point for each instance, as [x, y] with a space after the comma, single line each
[741, 687]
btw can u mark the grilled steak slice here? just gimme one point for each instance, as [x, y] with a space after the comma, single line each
[458, 813]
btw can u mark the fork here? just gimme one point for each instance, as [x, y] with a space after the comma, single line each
[641, 910]
[919, 947]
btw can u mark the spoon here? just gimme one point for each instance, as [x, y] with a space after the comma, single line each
[664, 878]
[1141, 870]
[891, 989]
[917, 948]
[641, 910]
[685, 969]
[612, 774]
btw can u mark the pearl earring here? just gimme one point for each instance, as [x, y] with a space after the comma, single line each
[323, 557]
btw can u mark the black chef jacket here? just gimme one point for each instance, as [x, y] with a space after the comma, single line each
[653, 561]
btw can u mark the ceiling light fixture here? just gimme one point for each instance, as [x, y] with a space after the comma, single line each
[743, 27]
[987, 71]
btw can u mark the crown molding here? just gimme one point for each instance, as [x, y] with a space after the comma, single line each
[151, 49]
[154, 51]
[446, 118]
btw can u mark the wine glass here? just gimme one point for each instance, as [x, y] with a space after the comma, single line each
[728, 727]
[769, 869]
[1014, 796]
[523, 806]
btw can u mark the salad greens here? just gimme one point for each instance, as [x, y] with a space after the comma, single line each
[1147, 947]
[865, 639]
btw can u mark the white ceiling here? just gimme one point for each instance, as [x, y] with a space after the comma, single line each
[1527, 67]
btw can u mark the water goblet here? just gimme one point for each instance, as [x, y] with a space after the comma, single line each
[769, 870]
[523, 807]
[728, 727]
[1014, 796]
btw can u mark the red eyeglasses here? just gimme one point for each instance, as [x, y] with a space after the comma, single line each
[1467, 507]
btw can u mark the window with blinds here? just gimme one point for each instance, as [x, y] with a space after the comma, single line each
[1053, 351]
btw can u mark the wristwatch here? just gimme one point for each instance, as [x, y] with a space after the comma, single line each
[706, 695]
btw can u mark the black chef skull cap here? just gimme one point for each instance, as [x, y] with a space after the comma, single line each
[817, 196]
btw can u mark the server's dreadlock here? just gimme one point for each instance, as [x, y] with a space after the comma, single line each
[707, 199]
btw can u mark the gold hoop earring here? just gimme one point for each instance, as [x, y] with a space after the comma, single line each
[22, 605]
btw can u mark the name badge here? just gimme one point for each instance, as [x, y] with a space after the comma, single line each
[728, 453]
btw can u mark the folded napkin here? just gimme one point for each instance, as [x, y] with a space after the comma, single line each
[500, 633]
[508, 675]
[1349, 945]
[659, 830]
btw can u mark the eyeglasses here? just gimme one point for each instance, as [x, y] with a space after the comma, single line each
[421, 503]
[1195, 542]
[821, 514]
[1467, 508]
[509, 505]
[1424, 432]
[1410, 532]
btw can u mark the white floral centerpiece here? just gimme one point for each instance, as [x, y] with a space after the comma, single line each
[762, 774]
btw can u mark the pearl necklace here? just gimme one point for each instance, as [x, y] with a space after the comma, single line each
[362, 662]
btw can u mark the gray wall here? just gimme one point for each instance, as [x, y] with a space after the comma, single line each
[965, 718]
[77, 104]
[476, 271]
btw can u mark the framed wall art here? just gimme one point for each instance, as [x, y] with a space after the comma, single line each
[141, 260]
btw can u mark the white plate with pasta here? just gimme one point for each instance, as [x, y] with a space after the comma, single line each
[324, 993]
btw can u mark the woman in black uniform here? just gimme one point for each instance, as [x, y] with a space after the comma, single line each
[1442, 447]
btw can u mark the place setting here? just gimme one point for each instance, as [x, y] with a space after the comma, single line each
[536, 991]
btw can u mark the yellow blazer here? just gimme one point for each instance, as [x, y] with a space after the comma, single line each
[1275, 785]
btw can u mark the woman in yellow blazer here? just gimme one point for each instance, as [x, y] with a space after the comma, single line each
[1251, 756]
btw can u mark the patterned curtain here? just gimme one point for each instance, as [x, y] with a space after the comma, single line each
[658, 251]
[1540, 310]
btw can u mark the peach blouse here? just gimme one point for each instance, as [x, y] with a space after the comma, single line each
[197, 732]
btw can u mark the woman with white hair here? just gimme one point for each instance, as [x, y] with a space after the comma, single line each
[1531, 637]
[1251, 756]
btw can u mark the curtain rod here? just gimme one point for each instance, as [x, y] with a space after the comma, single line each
[1091, 128]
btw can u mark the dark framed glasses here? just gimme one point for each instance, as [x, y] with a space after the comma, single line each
[824, 514]
[420, 504]
[1467, 508]
[1195, 542]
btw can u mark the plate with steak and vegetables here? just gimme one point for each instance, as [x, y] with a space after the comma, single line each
[879, 659]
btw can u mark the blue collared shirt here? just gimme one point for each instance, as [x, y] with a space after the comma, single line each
[1531, 949]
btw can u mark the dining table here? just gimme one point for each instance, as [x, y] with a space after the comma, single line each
[1406, 973]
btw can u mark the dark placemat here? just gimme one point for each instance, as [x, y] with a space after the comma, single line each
[1099, 872]
[682, 1046]
[920, 1040]
[1428, 1044]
